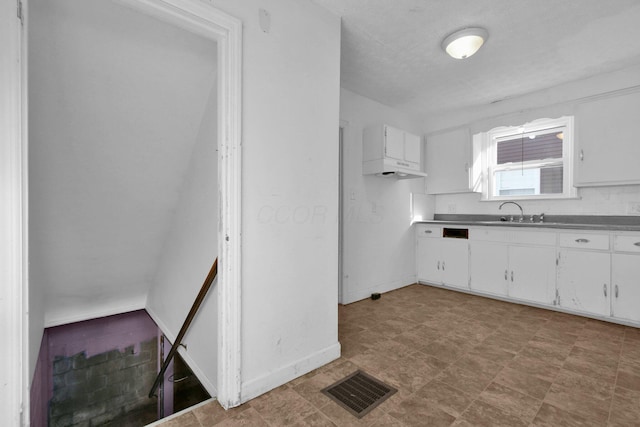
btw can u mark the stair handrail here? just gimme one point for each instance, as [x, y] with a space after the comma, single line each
[187, 322]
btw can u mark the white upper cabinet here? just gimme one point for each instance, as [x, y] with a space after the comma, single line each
[607, 145]
[391, 151]
[448, 162]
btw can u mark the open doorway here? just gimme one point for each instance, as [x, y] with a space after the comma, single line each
[123, 165]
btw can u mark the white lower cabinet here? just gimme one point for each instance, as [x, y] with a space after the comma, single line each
[489, 267]
[584, 281]
[442, 260]
[520, 272]
[532, 273]
[455, 262]
[625, 274]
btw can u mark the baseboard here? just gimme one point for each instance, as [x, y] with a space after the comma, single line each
[257, 386]
[360, 294]
[210, 387]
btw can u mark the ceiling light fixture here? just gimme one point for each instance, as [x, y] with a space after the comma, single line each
[464, 43]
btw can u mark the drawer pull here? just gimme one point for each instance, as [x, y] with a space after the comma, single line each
[582, 240]
[428, 231]
[604, 288]
[636, 244]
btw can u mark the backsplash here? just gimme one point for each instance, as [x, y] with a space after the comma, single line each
[614, 200]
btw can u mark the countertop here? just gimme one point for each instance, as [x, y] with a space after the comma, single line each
[575, 222]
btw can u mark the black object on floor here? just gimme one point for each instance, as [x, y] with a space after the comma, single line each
[359, 393]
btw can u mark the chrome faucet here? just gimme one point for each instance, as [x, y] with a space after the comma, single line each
[521, 210]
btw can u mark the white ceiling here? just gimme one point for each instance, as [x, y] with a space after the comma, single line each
[391, 49]
[116, 103]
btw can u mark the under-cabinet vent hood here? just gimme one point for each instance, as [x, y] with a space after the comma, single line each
[389, 168]
[391, 152]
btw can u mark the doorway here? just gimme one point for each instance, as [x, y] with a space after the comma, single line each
[226, 31]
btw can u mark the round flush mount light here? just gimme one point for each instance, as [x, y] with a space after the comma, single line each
[464, 43]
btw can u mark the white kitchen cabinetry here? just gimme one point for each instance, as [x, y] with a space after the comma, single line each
[532, 273]
[388, 150]
[441, 260]
[521, 265]
[448, 162]
[488, 267]
[584, 273]
[625, 277]
[606, 145]
[589, 272]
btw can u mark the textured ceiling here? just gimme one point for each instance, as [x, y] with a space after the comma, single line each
[391, 49]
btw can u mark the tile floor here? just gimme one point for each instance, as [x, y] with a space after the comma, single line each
[461, 360]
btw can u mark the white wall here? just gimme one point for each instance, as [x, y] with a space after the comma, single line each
[379, 248]
[189, 249]
[551, 103]
[291, 80]
[116, 99]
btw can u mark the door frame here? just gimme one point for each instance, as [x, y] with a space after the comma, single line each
[14, 327]
[195, 16]
[204, 19]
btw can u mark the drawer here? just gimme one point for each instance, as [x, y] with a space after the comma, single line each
[424, 230]
[534, 238]
[622, 243]
[489, 234]
[584, 241]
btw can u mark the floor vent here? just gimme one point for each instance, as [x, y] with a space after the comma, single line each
[359, 393]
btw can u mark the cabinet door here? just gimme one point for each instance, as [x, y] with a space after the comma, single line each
[583, 281]
[448, 160]
[412, 148]
[626, 286]
[606, 148]
[394, 143]
[428, 260]
[488, 267]
[532, 273]
[455, 262]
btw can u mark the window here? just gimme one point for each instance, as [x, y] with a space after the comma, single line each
[531, 161]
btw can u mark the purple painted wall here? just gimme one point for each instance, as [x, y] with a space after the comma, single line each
[94, 336]
[39, 392]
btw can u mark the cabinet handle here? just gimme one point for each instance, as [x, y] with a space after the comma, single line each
[636, 244]
[604, 288]
[511, 275]
[616, 291]
[466, 167]
[505, 274]
[581, 155]
[442, 265]
[428, 231]
[582, 240]
[438, 265]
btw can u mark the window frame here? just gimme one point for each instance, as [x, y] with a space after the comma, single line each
[540, 126]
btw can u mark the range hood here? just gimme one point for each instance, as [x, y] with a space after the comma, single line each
[391, 168]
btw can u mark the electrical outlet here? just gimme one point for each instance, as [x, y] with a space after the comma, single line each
[633, 208]
[452, 208]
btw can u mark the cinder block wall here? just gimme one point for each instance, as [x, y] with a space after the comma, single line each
[104, 387]
[101, 370]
